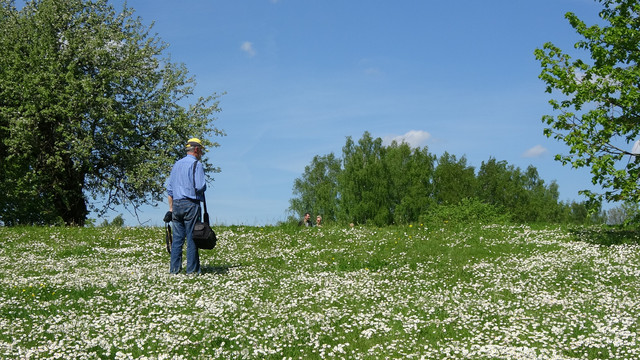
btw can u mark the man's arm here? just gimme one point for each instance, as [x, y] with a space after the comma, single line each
[200, 181]
[170, 203]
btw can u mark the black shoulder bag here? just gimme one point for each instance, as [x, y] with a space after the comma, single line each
[168, 236]
[203, 235]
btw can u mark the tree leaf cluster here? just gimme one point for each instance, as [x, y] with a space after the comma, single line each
[92, 111]
[596, 105]
[397, 184]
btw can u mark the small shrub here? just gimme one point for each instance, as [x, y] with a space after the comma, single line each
[466, 211]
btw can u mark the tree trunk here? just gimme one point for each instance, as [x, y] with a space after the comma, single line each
[70, 201]
[72, 208]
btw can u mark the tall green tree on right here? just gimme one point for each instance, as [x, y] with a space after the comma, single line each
[597, 106]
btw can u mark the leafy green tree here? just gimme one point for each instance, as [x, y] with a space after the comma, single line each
[627, 213]
[396, 184]
[524, 195]
[542, 204]
[496, 183]
[117, 221]
[364, 186]
[580, 213]
[378, 185]
[410, 181]
[453, 180]
[597, 105]
[317, 190]
[505, 186]
[90, 108]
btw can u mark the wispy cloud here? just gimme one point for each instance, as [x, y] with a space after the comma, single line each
[535, 152]
[247, 47]
[370, 67]
[414, 138]
[372, 71]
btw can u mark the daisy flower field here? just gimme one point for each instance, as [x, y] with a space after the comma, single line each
[406, 292]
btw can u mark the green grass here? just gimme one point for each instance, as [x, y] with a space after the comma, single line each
[455, 292]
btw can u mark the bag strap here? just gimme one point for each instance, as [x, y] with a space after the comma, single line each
[204, 201]
[168, 238]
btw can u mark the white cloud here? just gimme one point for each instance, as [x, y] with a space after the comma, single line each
[247, 47]
[372, 71]
[535, 152]
[370, 67]
[414, 138]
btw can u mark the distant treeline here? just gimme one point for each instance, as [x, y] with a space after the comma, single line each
[397, 184]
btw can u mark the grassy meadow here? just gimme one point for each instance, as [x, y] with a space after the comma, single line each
[412, 292]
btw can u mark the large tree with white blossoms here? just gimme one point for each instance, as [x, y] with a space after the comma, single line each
[90, 109]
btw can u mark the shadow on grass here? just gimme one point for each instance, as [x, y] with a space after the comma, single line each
[218, 270]
[608, 236]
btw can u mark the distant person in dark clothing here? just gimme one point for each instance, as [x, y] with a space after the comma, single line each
[306, 221]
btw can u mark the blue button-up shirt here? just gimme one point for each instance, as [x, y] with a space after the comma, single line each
[180, 182]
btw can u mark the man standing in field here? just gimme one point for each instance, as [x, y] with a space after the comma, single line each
[185, 188]
[306, 221]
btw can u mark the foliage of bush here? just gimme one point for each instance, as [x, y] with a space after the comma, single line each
[465, 212]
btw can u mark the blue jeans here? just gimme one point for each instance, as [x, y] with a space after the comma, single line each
[185, 214]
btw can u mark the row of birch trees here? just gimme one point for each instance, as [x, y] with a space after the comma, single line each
[397, 184]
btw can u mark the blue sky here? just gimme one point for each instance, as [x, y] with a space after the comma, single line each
[300, 76]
